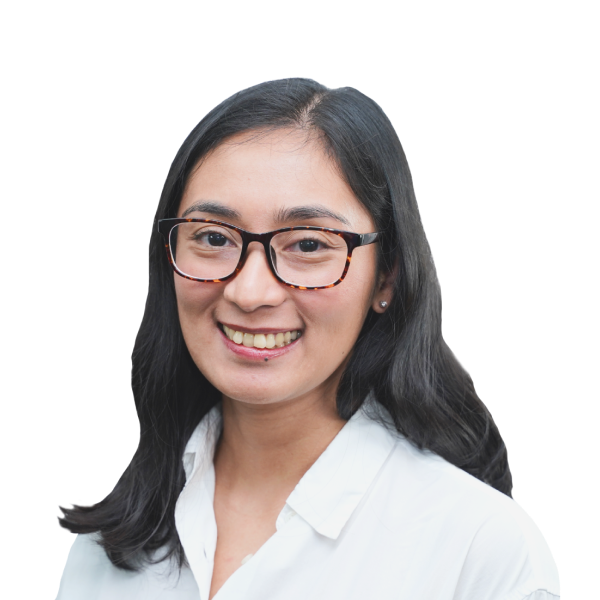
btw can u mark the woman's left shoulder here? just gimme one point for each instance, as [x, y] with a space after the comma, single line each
[508, 552]
[485, 542]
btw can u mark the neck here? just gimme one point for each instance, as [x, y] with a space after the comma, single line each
[271, 446]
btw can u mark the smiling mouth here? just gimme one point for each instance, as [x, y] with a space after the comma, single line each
[261, 340]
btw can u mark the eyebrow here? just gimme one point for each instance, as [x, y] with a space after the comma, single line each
[285, 215]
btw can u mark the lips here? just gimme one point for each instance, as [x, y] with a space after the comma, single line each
[254, 331]
[257, 354]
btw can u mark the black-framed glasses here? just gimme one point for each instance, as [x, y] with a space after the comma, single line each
[302, 257]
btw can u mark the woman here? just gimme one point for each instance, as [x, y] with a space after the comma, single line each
[305, 432]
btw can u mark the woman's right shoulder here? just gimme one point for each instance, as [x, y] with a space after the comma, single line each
[90, 574]
[87, 565]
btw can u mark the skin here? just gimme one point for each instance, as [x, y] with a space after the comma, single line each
[278, 416]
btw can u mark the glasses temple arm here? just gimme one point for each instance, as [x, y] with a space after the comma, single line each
[368, 238]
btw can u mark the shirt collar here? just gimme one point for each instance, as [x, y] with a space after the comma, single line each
[332, 488]
[200, 448]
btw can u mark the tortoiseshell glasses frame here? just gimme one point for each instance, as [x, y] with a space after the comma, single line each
[353, 240]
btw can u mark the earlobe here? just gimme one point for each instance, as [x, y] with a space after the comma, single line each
[383, 297]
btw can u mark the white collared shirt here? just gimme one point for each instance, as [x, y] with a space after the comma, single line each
[374, 517]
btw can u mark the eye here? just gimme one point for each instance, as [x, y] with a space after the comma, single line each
[306, 245]
[213, 237]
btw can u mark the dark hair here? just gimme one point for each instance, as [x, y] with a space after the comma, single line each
[400, 355]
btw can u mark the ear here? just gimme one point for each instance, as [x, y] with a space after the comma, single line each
[384, 289]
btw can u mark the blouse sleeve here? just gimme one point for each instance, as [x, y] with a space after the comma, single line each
[508, 560]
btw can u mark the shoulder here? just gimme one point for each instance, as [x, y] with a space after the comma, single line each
[86, 553]
[495, 548]
[89, 574]
[87, 565]
[508, 553]
[410, 472]
[453, 488]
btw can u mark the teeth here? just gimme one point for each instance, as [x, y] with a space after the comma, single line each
[261, 340]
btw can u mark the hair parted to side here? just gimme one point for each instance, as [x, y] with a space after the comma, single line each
[400, 356]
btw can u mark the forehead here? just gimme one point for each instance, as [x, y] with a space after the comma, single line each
[260, 176]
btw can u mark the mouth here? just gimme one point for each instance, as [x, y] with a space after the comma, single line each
[260, 344]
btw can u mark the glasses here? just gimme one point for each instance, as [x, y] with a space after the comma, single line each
[302, 257]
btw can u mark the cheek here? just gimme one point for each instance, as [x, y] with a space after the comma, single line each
[356, 296]
[194, 301]
[340, 312]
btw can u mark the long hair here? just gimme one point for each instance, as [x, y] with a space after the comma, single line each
[400, 356]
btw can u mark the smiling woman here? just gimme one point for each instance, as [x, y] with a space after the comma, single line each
[304, 429]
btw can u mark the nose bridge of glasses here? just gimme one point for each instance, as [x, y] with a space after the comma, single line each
[255, 245]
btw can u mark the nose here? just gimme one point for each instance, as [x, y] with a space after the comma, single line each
[255, 285]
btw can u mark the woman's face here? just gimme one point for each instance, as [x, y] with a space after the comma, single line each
[253, 183]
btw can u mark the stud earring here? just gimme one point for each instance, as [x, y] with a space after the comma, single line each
[383, 304]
